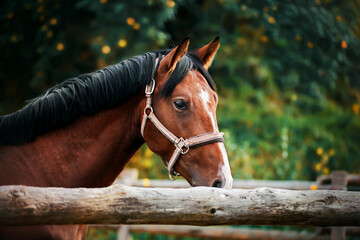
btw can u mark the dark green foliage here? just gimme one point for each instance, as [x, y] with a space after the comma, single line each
[288, 71]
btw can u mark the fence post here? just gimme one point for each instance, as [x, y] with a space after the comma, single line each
[128, 177]
[123, 232]
[337, 181]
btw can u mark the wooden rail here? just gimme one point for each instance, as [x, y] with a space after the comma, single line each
[119, 204]
[216, 232]
[238, 184]
[323, 182]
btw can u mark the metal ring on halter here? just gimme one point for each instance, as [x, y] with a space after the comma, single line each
[150, 108]
[151, 85]
[186, 150]
[176, 174]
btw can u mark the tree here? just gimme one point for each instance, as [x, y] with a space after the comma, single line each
[287, 72]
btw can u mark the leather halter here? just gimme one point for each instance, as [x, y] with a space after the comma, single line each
[182, 145]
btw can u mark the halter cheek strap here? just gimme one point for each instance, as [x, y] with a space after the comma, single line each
[182, 145]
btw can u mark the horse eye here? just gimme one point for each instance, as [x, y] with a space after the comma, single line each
[180, 104]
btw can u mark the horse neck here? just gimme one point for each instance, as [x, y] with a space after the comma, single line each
[90, 152]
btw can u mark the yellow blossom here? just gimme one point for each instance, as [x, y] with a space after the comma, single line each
[105, 49]
[319, 151]
[53, 21]
[355, 109]
[130, 21]
[318, 167]
[272, 20]
[146, 182]
[264, 38]
[136, 26]
[122, 43]
[146, 163]
[170, 3]
[60, 46]
[344, 44]
[325, 158]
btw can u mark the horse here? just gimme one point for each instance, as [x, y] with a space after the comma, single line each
[83, 131]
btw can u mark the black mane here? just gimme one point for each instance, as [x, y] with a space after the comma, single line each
[88, 94]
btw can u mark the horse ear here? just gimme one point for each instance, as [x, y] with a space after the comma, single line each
[175, 55]
[207, 53]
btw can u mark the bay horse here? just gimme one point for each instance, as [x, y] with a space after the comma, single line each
[83, 131]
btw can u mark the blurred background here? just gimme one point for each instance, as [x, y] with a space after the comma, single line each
[288, 72]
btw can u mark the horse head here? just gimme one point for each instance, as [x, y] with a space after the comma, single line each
[181, 104]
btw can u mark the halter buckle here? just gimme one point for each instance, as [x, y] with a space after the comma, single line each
[182, 145]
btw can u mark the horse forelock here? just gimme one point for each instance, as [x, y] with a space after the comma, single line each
[189, 62]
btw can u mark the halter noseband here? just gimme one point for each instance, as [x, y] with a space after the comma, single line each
[182, 145]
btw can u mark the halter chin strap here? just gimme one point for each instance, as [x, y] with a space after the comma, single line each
[182, 145]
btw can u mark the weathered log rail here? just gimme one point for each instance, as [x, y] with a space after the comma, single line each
[119, 204]
[227, 233]
[238, 184]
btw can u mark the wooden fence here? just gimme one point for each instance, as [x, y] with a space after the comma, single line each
[338, 180]
[224, 232]
[228, 233]
[20, 205]
[351, 181]
[119, 204]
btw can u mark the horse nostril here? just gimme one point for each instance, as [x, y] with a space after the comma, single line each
[217, 183]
